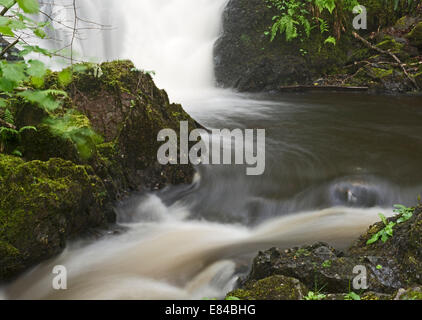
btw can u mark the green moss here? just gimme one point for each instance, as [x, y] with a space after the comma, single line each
[412, 294]
[379, 73]
[390, 44]
[271, 288]
[415, 36]
[43, 203]
[7, 164]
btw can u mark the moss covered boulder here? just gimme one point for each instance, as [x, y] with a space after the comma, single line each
[414, 293]
[272, 288]
[393, 268]
[322, 266]
[41, 205]
[125, 107]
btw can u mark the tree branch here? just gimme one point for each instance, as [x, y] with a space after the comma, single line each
[402, 65]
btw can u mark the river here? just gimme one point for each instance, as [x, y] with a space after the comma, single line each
[333, 162]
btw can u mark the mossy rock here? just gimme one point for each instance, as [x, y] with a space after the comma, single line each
[41, 205]
[401, 253]
[414, 293]
[404, 23]
[391, 45]
[328, 268]
[415, 36]
[118, 105]
[271, 288]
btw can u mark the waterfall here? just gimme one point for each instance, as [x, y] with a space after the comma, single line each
[172, 38]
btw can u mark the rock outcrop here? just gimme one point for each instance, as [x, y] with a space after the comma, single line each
[246, 59]
[393, 267]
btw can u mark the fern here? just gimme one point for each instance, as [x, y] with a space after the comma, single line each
[8, 117]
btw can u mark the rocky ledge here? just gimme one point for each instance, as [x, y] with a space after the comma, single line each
[66, 175]
[320, 272]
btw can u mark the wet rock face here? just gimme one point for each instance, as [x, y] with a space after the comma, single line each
[246, 59]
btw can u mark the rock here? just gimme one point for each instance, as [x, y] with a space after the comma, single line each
[402, 253]
[41, 205]
[246, 59]
[414, 293]
[415, 36]
[321, 266]
[125, 107]
[405, 23]
[271, 288]
[366, 296]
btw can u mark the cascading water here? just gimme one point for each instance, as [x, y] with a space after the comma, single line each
[331, 168]
[172, 38]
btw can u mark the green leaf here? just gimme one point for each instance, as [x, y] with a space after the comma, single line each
[6, 85]
[231, 298]
[374, 238]
[40, 33]
[29, 6]
[37, 69]
[65, 77]
[352, 296]
[6, 31]
[330, 40]
[3, 103]
[43, 98]
[7, 3]
[383, 218]
[13, 71]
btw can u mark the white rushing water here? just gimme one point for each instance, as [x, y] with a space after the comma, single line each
[169, 257]
[172, 38]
